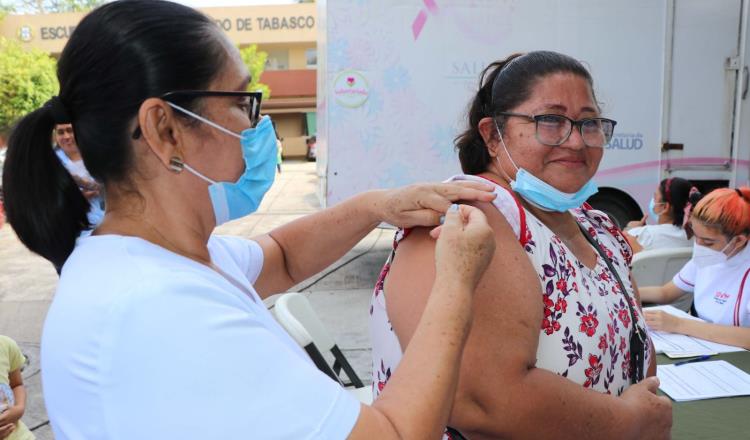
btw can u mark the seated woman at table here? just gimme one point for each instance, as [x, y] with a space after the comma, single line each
[667, 208]
[558, 347]
[717, 274]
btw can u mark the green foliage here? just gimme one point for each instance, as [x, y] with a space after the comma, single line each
[5, 9]
[255, 61]
[27, 80]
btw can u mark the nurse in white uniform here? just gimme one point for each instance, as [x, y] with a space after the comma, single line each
[718, 274]
[667, 209]
[157, 329]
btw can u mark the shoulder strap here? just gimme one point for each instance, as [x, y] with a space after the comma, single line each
[737, 305]
[637, 338]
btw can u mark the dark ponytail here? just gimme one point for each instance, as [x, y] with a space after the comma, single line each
[42, 201]
[119, 55]
[472, 152]
[694, 197]
[503, 85]
[676, 192]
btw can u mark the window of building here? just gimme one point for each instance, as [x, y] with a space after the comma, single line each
[277, 60]
[311, 55]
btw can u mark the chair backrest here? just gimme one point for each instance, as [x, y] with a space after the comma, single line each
[295, 307]
[657, 266]
[295, 314]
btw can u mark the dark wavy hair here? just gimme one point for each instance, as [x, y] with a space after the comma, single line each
[503, 85]
[676, 191]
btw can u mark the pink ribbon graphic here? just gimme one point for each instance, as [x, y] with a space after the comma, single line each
[421, 19]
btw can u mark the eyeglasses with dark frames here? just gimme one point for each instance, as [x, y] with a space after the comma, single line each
[253, 103]
[554, 130]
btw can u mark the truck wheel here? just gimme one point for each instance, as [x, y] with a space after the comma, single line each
[619, 210]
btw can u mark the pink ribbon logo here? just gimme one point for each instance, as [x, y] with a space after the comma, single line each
[419, 22]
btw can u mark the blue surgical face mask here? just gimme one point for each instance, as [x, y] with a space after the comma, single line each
[651, 206]
[540, 193]
[233, 200]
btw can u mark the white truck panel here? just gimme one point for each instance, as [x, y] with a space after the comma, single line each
[396, 78]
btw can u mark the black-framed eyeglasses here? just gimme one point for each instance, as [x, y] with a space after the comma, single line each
[554, 130]
[252, 104]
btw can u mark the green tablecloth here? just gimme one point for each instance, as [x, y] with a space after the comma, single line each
[727, 418]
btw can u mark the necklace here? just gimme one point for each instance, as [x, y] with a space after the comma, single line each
[233, 281]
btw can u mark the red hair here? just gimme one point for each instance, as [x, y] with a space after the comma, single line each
[725, 209]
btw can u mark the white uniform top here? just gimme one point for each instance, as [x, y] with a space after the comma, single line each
[141, 343]
[721, 291]
[78, 169]
[660, 236]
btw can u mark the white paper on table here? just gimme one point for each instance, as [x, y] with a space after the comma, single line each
[676, 346]
[703, 380]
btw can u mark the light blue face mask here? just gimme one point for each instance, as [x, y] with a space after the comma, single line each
[541, 194]
[651, 207]
[235, 200]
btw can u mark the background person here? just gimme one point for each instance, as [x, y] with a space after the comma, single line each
[667, 208]
[12, 392]
[67, 151]
[157, 329]
[558, 359]
[716, 275]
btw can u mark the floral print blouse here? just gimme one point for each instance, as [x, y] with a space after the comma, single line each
[585, 332]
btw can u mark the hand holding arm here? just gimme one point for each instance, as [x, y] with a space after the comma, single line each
[304, 247]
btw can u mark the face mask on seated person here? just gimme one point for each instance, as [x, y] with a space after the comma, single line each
[704, 256]
[233, 200]
[651, 209]
[540, 193]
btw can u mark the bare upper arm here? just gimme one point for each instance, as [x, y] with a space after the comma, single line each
[273, 277]
[15, 378]
[506, 319]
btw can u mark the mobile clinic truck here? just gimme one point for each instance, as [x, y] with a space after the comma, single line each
[395, 79]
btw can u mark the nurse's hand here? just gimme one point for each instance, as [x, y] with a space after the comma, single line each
[424, 204]
[636, 223]
[662, 321]
[465, 246]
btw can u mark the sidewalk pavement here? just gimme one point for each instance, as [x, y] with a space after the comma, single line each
[340, 294]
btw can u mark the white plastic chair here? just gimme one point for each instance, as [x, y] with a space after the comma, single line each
[295, 314]
[656, 267]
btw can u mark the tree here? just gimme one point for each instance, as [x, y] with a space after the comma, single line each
[255, 61]
[27, 80]
[5, 9]
[55, 6]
